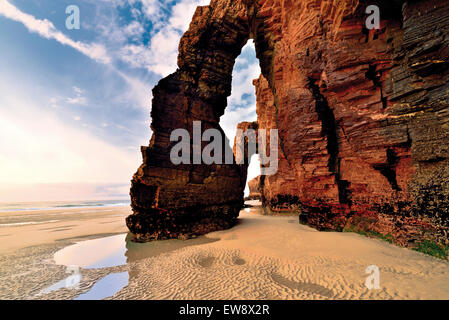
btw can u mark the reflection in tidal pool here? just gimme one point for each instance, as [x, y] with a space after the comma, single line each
[118, 250]
[106, 287]
[93, 254]
[114, 251]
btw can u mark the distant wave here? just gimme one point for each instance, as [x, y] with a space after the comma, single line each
[19, 207]
[93, 205]
[26, 223]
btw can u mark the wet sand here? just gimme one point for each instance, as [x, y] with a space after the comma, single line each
[263, 257]
[30, 228]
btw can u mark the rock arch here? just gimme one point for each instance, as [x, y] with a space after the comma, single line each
[362, 118]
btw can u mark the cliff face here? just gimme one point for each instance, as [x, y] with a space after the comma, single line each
[362, 116]
[254, 189]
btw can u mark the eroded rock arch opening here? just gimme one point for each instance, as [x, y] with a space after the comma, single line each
[242, 103]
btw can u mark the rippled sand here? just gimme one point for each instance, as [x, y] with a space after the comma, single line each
[276, 258]
[264, 257]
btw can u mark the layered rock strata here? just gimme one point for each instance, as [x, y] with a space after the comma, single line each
[171, 201]
[254, 189]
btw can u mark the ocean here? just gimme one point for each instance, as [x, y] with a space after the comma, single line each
[57, 205]
[29, 213]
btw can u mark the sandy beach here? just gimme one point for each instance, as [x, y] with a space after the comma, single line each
[263, 257]
[32, 228]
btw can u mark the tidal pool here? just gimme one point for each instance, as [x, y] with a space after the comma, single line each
[106, 287]
[94, 254]
[112, 251]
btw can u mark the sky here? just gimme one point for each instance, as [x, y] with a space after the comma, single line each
[75, 104]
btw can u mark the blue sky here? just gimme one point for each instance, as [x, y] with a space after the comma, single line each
[75, 104]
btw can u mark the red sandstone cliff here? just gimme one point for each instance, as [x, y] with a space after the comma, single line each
[362, 118]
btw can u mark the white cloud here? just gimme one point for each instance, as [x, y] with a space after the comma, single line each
[78, 91]
[245, 71]
[160, 56]
[182, 13]
[46, 29]
[151, 8]
[232, 118]
[54, 102]
[134, 30]
[38, 147]
[137, 91]
[63, 192]
[78, 99]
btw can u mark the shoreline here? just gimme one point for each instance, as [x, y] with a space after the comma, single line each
[27, 207]
[54, 225]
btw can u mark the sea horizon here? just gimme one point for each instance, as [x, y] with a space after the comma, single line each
[18, 206]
